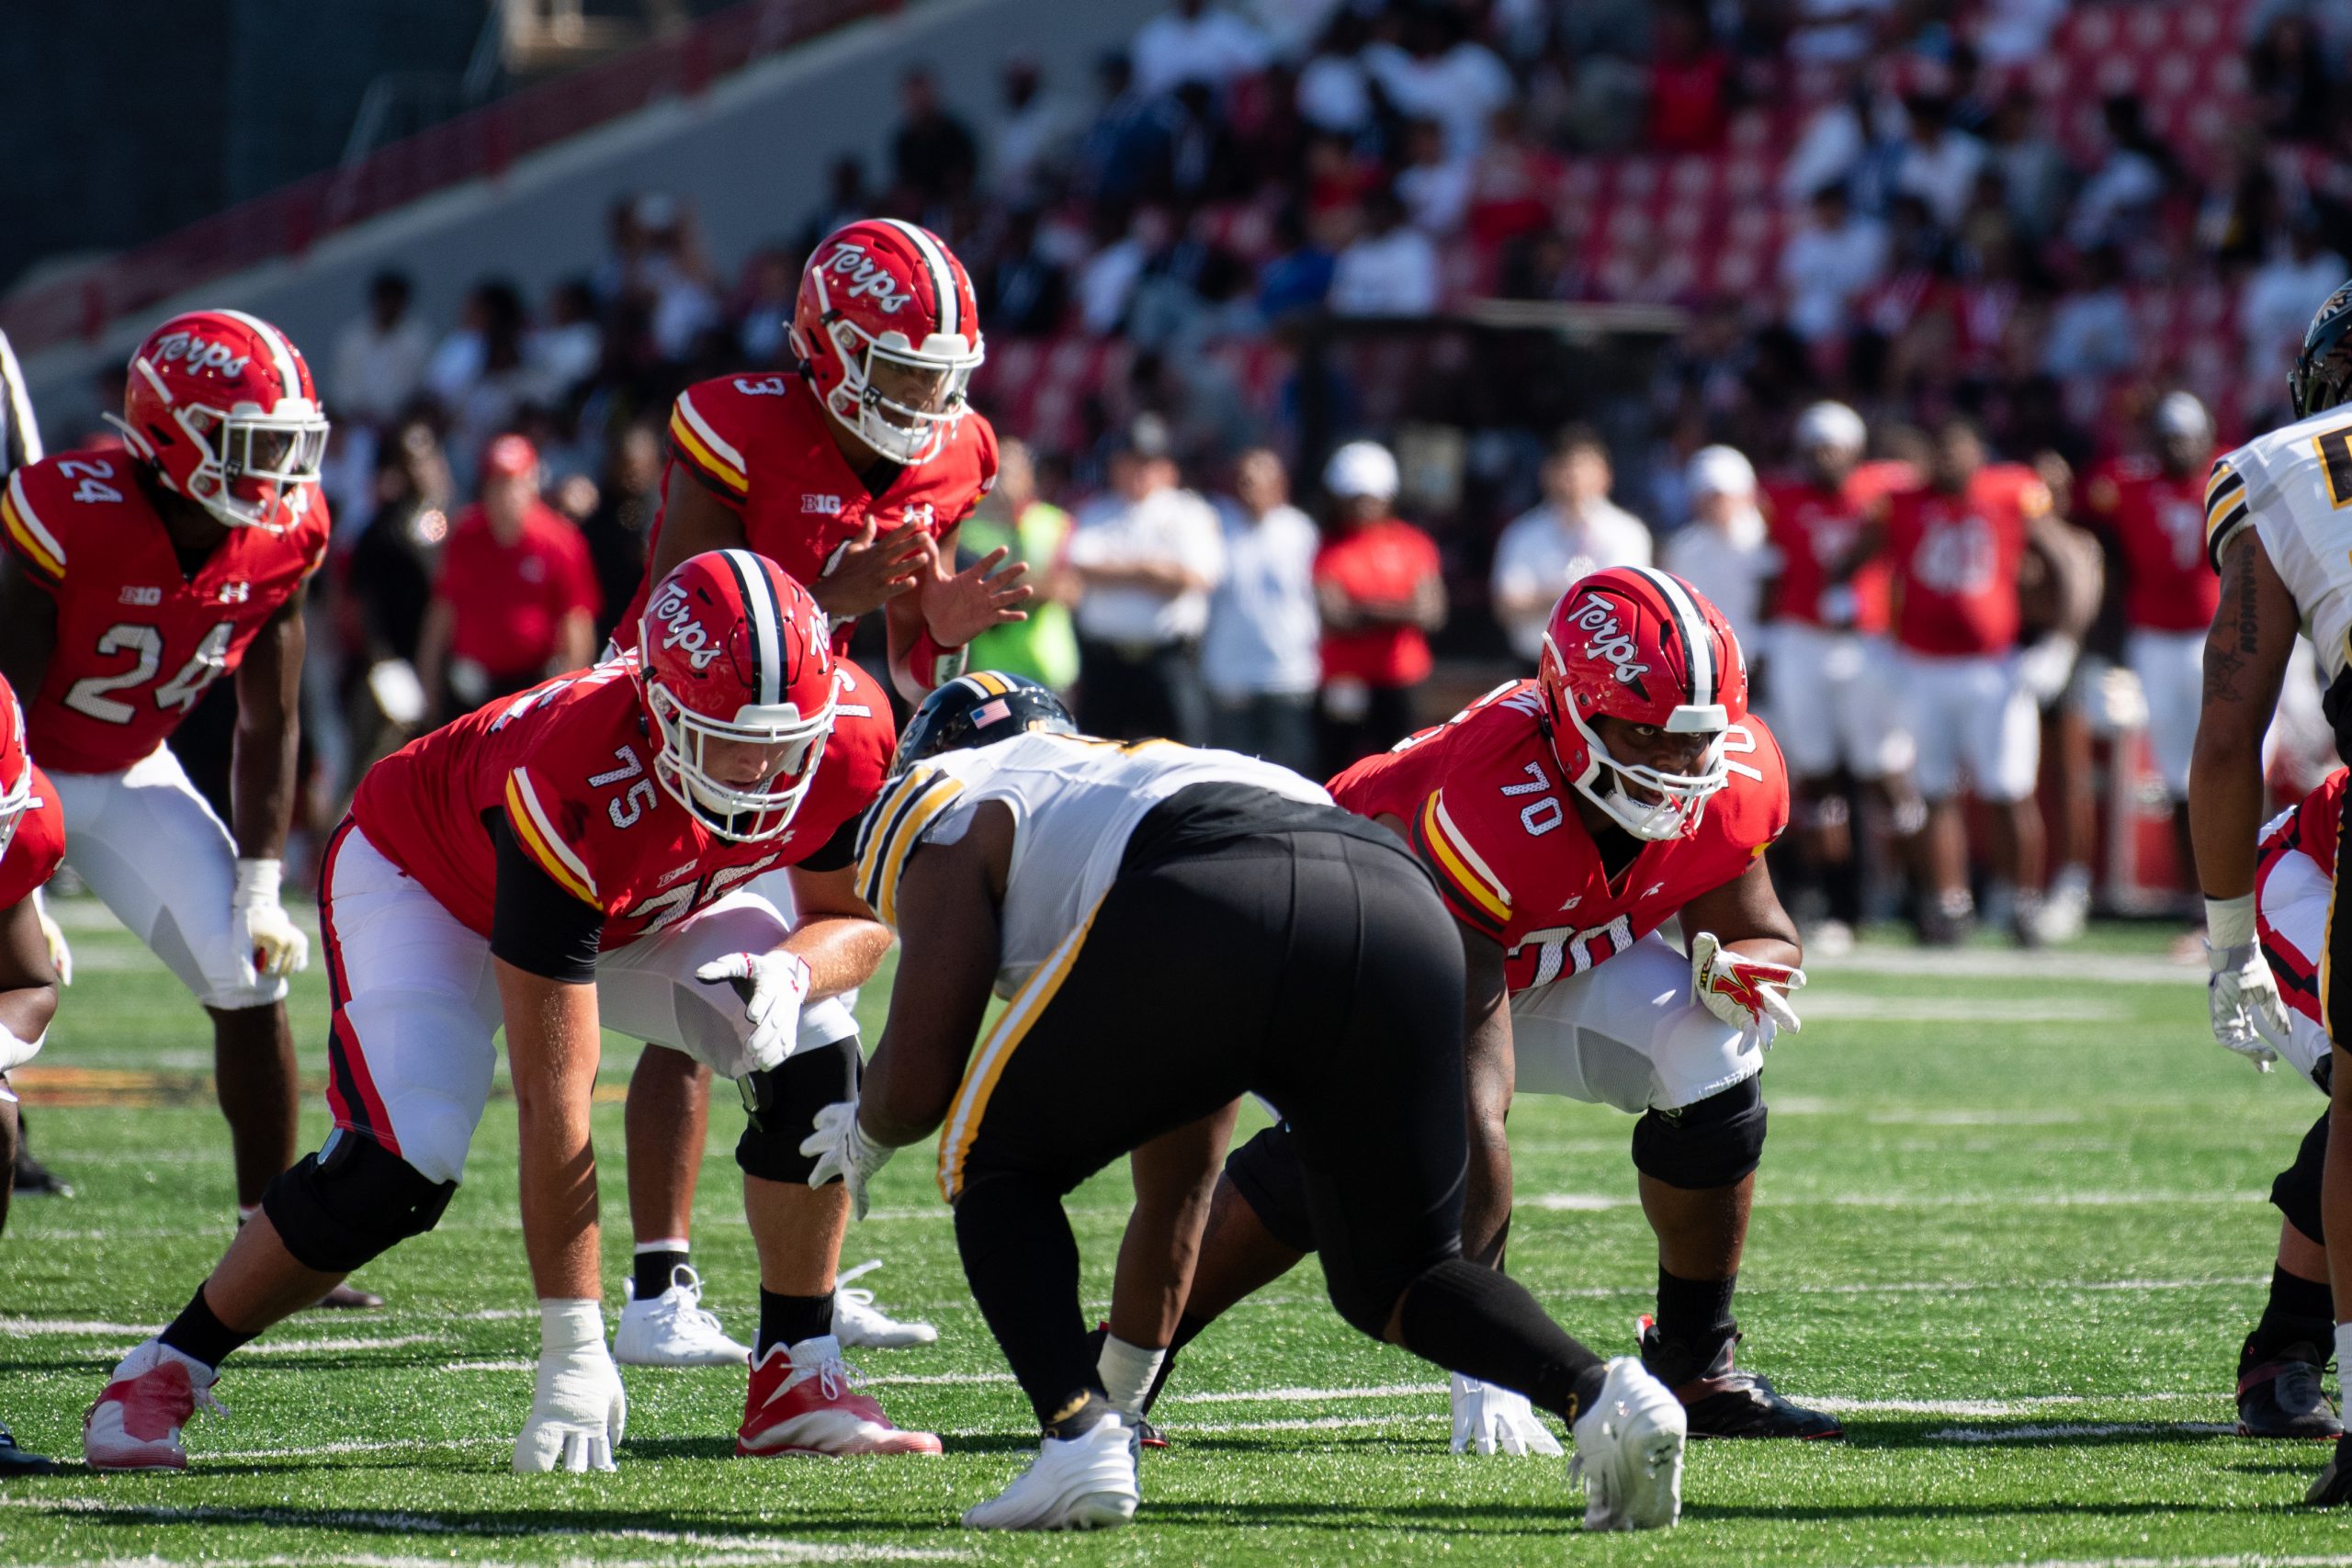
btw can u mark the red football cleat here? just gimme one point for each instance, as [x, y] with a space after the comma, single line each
[805, 1400]
[135, 1425]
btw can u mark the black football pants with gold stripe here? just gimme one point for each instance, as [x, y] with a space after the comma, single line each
[1317, 969]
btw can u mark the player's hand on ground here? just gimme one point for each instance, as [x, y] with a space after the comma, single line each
[1496, 1420]
[61, 956]
[872, 569]
[772, 986]
[2248, 1016]
[1740, 990]
[578, 1411]
[986, 594]
[844, 1152]
[268, 942]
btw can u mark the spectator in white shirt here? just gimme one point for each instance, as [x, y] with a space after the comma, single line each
[1434, 188]
[1259, 657]
[1193, 41]
[1724, 552]
[1390, 269]
[1334, 92]
[1576, 531]
[1837, 257]
[1146, 555]
[380, 357]
[2279, 298]
[2092, 331]
[1939, 164]
[1447, 76]
[1834, 31]
[1030, 140]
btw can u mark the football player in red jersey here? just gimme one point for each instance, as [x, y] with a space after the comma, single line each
[1565, 819]
[2150, 513]
[130, 582]
[575, 856]
[1826, 676]
[1957, 543]
[32, 840]
[852, 473]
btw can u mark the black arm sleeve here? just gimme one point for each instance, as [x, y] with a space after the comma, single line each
[840, 852]
[535, 924]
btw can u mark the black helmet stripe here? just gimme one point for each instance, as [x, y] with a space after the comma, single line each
[766, 614]
[1691, 623]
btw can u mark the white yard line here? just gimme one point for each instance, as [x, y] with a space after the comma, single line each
[354, 1342]
[1593, 1201]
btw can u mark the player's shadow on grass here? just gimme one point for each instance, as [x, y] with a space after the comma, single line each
[2028, 1434]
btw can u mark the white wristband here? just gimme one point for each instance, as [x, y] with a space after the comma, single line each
[257, 883]
[2229, 922]
[2344, 1345]
[567, 1325]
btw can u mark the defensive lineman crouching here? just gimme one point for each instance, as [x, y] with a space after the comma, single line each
[1300, 953]
[539, 862]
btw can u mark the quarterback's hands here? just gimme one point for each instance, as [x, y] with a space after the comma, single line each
[268, 944]
[61, 957]
[870, 570]
[773, 985]
[844, 1151]
[578, 1411]
[1742, 990]
[1493, 1419]
[986, 594]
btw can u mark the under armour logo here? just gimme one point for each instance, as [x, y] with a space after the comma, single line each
[236, 593]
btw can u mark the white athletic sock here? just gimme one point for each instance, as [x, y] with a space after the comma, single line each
[1127, 1371]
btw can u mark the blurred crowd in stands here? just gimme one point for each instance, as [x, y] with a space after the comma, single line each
[2023, 221]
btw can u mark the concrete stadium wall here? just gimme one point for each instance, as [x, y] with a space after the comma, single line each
[752, 154]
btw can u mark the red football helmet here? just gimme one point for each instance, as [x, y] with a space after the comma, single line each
[733, 654]
[1646, 647]
[15, 767]
[221, 405]
[891, 331]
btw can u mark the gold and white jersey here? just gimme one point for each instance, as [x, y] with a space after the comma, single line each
[1074, 801]
[2293, 487]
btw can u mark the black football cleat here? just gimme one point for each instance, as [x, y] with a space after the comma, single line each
[1149, 1435]
[348, 1297]
[35, 1180]
[14, 1461]
[2281, 1397]
[1727, 1401]
[2334, 1487]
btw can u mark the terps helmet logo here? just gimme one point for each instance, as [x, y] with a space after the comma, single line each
[1608, 639]
[201, 353]
[676, 611]
[867, 276]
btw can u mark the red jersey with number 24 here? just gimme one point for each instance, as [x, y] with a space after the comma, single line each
[570, 767]
[1485, 808]
[138, 641]
[763, 446]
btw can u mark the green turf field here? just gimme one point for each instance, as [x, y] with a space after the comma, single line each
[2011, 1223]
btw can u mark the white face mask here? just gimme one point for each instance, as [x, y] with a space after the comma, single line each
[746, 813]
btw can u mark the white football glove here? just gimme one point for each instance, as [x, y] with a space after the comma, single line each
[61, 957]
[268, 944]
[1495, 1420]
[842, 1151]
[2044, 668]
[1743, 991]
[773, 985]
[578, 1411]
[2239, 995]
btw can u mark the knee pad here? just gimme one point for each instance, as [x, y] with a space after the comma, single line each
[1711, 1142]
[1267, 1174]
[352, 1201]
[781, 1106]
[2296, 1193]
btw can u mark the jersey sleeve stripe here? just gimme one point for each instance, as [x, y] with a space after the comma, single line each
[39, 545]
[878, 851]
[981, 1079]
[923, 810]
[699, 441]
[1457, 903]
[2224, 478]
[538, 837]
[1459, 867]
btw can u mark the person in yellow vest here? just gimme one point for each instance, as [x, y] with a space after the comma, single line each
[1044, 646]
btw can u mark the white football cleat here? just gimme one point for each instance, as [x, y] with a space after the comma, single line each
[136, 1421]
[858, 1323]
[1086, 1483]
[1629, 1451]
[804, 1400]
[673, 1329]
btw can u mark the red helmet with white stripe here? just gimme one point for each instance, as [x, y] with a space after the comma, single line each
[15, 767]
[891, 331]
[737, 673]
[221, 405]
[1642, 646]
